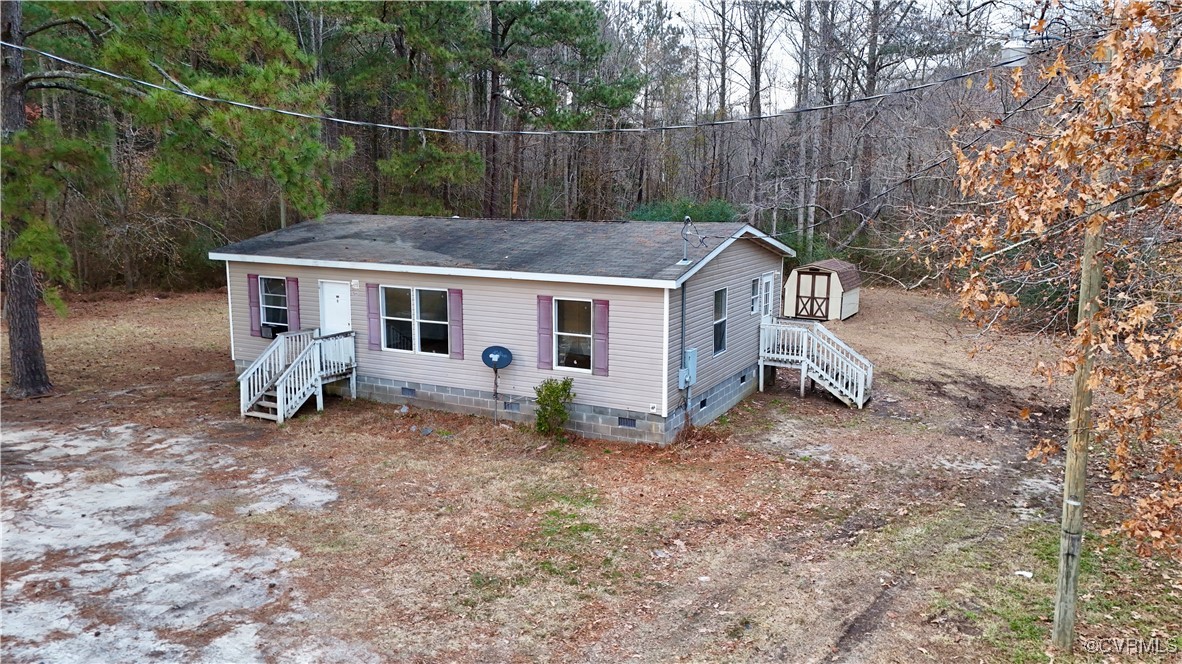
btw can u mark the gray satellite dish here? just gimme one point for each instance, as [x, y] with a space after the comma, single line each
[496, 357]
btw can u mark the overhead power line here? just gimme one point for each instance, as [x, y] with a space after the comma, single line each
[537, 132]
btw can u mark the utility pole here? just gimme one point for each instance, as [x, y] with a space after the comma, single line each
[1079, 438]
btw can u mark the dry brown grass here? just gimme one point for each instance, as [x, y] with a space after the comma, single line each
[793, 529]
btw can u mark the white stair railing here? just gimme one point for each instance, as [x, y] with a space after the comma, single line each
[820, 356]
[338, 352]
[298, 382]
[844, 349]
[267, 367]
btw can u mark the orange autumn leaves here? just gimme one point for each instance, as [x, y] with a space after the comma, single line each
[1106, 149]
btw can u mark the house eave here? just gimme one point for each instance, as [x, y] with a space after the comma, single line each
[448, 271]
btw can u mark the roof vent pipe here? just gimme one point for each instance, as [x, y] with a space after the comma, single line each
[685, 225]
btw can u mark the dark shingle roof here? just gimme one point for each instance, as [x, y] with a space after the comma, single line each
[638, 250]
[846, 272]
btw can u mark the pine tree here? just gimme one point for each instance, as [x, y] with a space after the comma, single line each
[220, 50]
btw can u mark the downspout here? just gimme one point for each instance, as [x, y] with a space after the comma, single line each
[688, 388]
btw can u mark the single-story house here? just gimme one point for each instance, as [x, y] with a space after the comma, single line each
[609, 304]
[824, 290]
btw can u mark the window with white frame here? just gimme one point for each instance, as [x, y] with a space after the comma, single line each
[432, 325]
[719, 320]
[415, 320]
[273, 302]
[572, 334]
[755, 296]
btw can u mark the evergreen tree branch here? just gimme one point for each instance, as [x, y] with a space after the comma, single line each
[61, 85]
[173, 80]
[54, 79]
[76, 22]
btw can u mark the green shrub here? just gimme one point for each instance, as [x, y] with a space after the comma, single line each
[553, 398]
[712, 210]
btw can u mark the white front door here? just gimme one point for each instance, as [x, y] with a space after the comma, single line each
[336, 309]
[767, 297]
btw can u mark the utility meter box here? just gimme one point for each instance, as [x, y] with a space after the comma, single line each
[689, 374]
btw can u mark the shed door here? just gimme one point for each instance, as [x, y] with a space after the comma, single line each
[336, 311]
[812, 295]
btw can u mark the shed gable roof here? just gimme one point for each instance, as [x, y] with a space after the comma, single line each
[848, 273]
[645, 251]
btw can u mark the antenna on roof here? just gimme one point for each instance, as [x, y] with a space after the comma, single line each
[685, 225]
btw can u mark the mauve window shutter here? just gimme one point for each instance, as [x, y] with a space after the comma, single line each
[545, 332]
[455, 316]
[599, 322]
[293, 304]
[374, 310]
[252, 295]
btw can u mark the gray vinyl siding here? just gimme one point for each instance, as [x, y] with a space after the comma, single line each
[674, 398]
[496, 312]
[733, 269]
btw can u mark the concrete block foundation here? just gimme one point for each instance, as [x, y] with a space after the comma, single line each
[591, 421]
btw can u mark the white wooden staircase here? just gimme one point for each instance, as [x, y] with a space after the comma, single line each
[819, 355]
[293, 369]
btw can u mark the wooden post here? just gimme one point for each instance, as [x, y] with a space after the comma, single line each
[1079, 432]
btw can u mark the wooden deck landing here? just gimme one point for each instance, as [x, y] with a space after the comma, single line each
[819, 355]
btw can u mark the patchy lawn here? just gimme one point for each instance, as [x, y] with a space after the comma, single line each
[142, 519]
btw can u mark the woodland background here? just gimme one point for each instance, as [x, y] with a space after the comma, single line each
[186, 176]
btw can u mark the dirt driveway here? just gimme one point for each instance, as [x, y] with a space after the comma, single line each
[143, 521]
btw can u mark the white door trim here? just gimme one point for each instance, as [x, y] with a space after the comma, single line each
[767, 297]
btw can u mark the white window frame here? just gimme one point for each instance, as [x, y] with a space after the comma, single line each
[415, 319]
[263, 307]
[590, 337]
[756, 285]
[418, 321]
[726, 303]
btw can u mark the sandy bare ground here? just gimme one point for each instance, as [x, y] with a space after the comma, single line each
[143, 520]
[110, 553]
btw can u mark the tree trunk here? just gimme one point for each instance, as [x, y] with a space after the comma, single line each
[801, 187]
[823, 133]
[642, 174]
[567, 178]
[14, 69]
[493, 123]
[757, 17]
[26, 359]
[375, 173]
[814, 180]
[518, 167]
[803, 100]
[866, 162]
[718, 176]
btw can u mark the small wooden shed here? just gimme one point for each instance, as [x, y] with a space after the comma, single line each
[825, 290]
